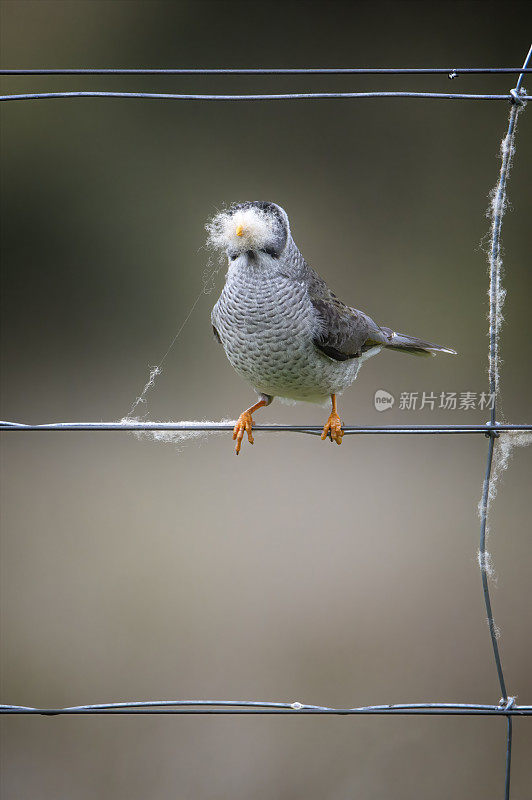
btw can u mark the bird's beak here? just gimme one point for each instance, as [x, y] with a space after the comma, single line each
[240, 231]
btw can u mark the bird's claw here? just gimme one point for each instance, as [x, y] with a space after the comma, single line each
[333, 429]
[244, 424]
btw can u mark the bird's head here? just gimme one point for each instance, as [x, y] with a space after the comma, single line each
[256, 228]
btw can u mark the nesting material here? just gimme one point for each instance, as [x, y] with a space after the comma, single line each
[244, 229]
[496, 210]
[177, 437]
[507, 440]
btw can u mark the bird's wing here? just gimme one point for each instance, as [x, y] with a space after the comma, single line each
[341, 332]
[213, 322]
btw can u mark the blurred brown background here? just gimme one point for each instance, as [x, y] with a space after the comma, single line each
[300, 571]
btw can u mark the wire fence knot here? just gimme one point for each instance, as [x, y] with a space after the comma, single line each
[518, 97]
[492, 432]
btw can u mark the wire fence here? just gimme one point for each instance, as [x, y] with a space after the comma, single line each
[517, 97]
[315, 430]
[451, 72]
[296, 96]
[514, 95]
[505, 708]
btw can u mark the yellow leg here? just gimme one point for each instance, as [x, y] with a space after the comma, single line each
[333, 426]
[244, 423]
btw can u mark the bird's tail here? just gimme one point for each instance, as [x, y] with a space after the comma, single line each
[411, 344]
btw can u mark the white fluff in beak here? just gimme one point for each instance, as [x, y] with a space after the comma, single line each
[243, 229]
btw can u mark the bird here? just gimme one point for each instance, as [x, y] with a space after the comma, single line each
[282, 328]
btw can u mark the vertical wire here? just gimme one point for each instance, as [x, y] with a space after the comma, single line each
[499, 204]
[498, 212]
[483, 565]
[508, 772]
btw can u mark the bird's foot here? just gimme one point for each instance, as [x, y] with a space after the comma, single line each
[333, 428]
[244, 424]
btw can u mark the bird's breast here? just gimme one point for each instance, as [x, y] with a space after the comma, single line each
[266, 326]
[270, 310]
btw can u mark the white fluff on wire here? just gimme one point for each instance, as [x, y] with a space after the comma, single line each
[507, 440]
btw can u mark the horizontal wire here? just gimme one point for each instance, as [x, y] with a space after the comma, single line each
[454, 71]
[187, 427]
[260, 97]
[255, 707]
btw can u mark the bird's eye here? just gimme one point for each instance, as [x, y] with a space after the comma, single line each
[269, 251]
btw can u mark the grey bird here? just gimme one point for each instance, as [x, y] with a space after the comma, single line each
[281, 327]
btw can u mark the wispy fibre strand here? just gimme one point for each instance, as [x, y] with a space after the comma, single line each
[496, 298]
[497, 209]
